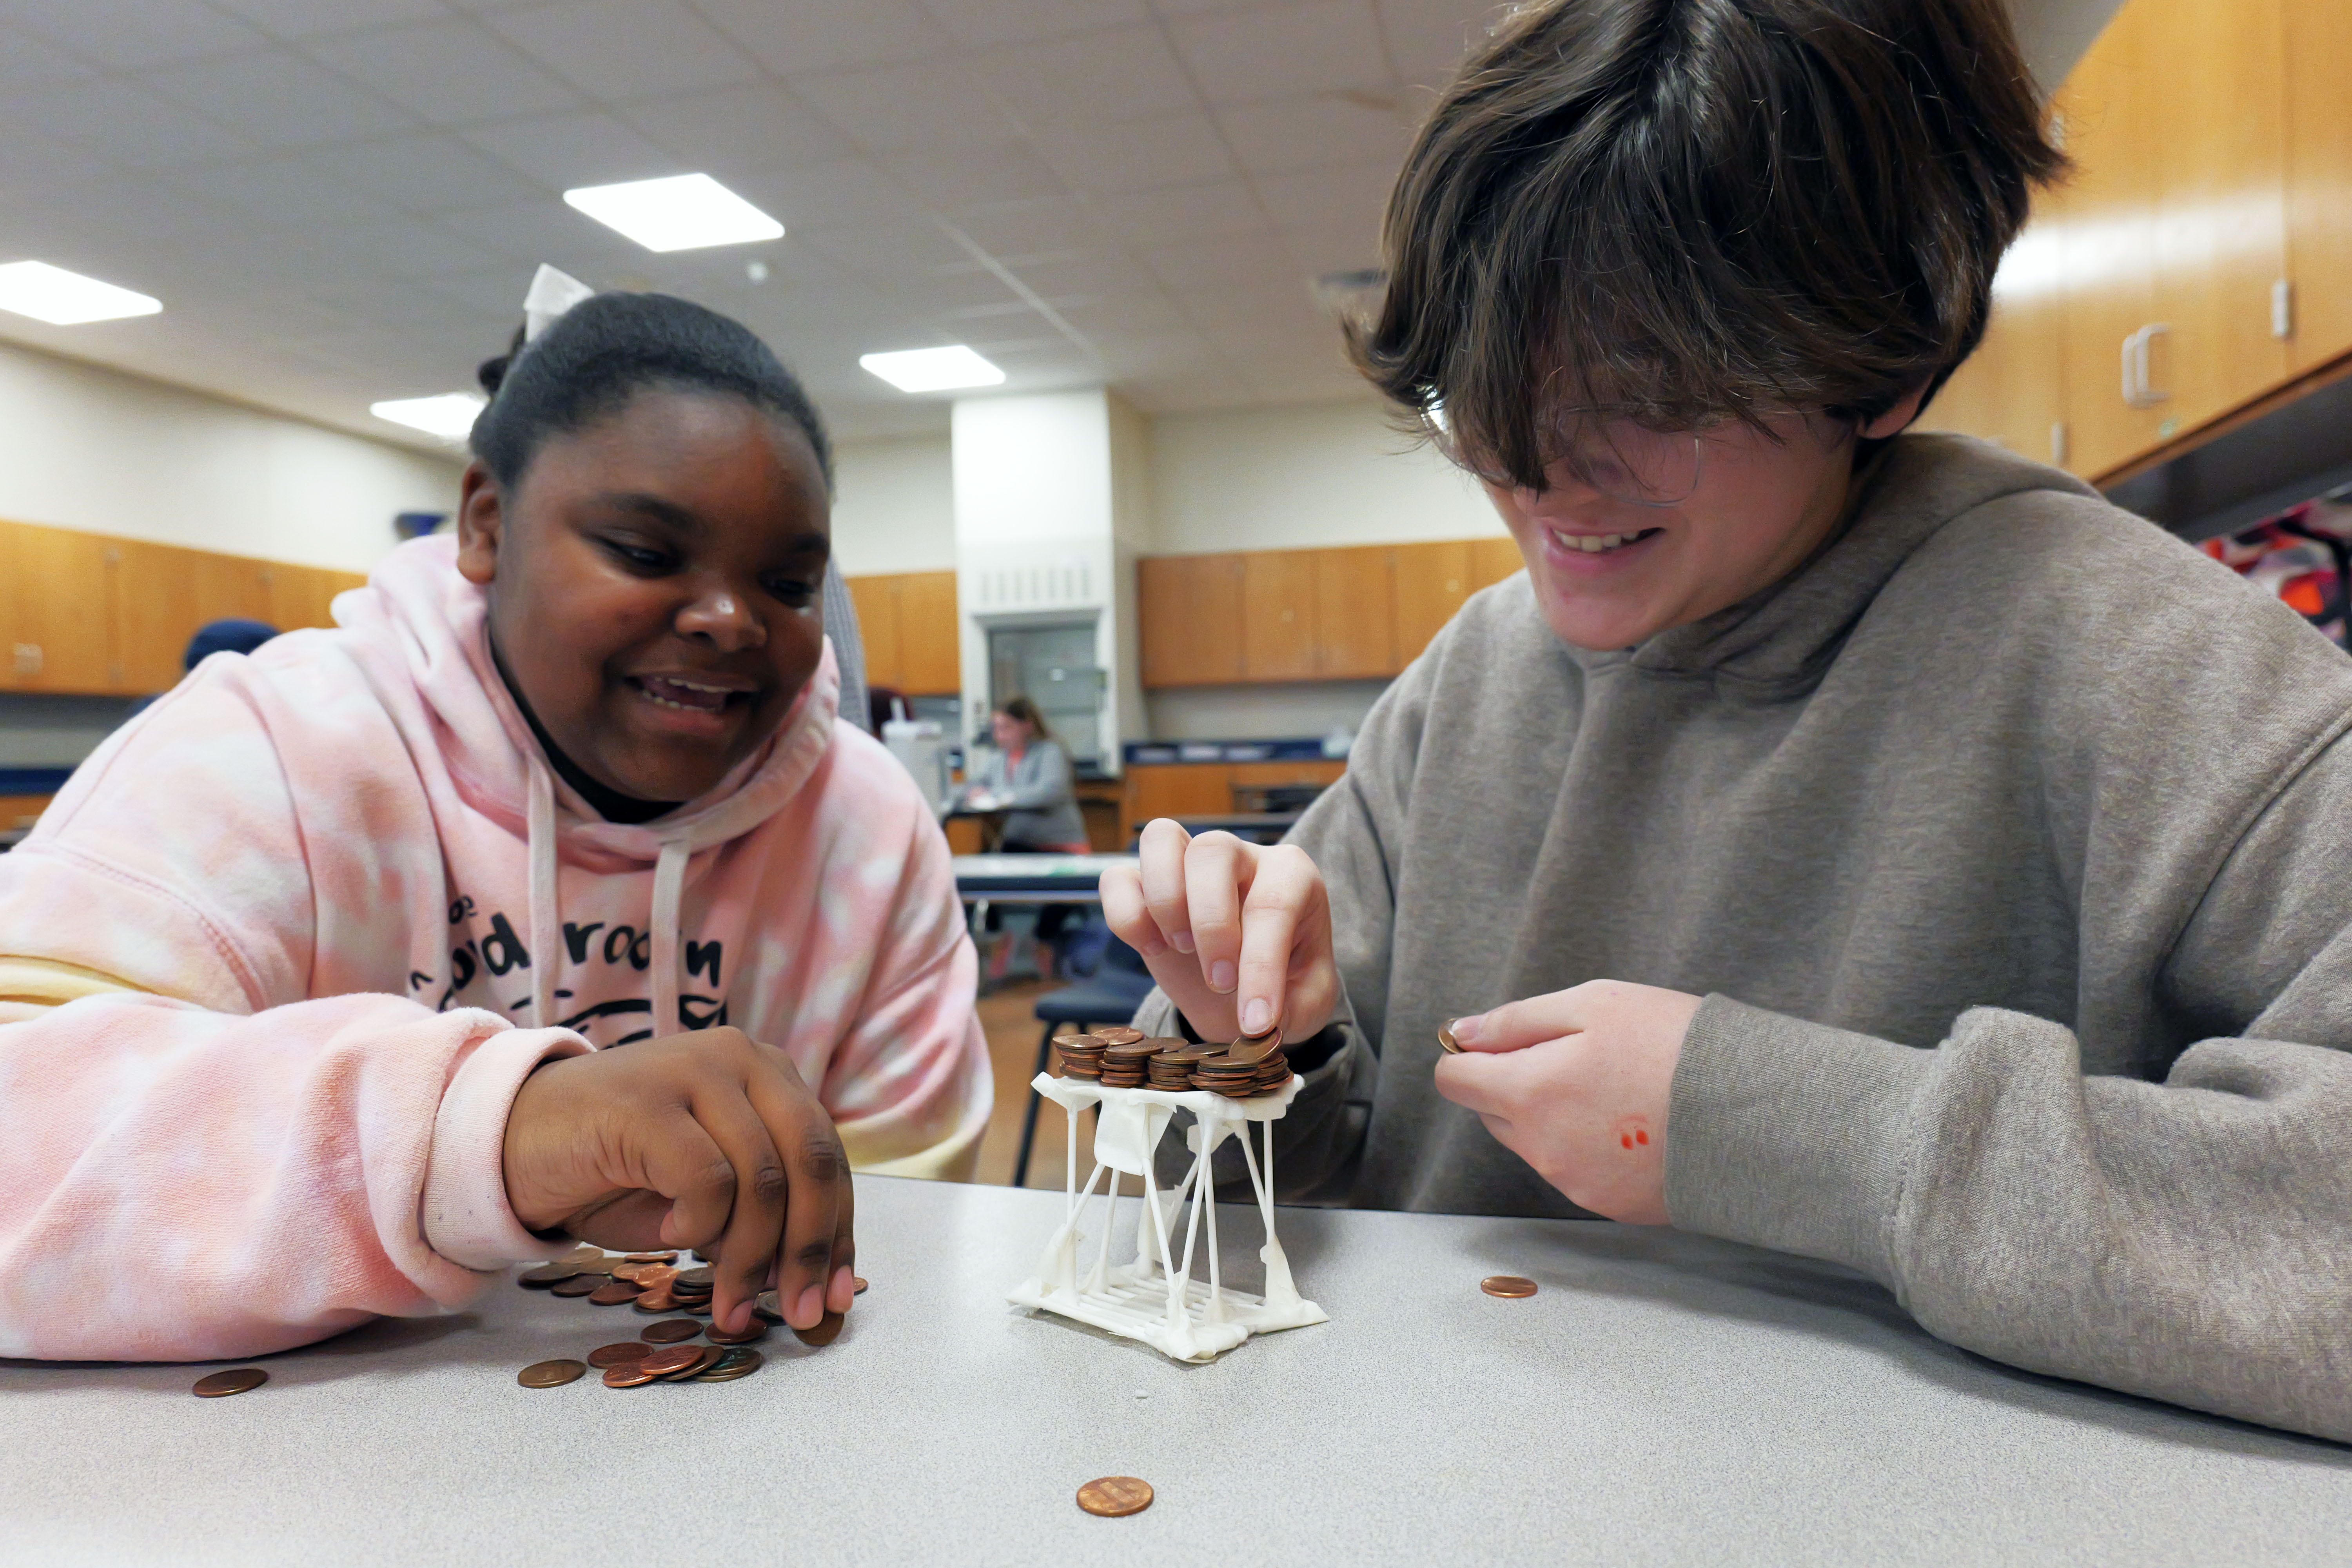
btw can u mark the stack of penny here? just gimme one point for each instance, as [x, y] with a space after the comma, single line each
[1171, 1066]
[1124, 1065]
[1248, 1066]
[1081, 1055]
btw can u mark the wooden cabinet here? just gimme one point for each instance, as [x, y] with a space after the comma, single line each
[1189, 608]
[909, 625]
[98, 615]
[1431, 582]
[1355, 614]
[1278, 624]
[1206, 789]
[2319, 179]
[1494, 560]
[2012, 390]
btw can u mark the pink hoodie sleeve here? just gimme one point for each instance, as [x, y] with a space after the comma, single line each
[179, 1184]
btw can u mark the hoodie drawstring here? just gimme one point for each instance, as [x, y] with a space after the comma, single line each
[670, 892]
[546, 918]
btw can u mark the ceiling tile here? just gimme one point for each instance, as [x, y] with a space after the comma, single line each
[1291, 134]
[550, 232]
[426, 174]
[1329, 45]
[1128, 73]
[742, 127]
[892, 251]
[280, 100]
[282, 191]
[1427, 38]
[452, 73]
[410, 249]
[899, 107]
[627, 48]
[1179, 213]
[1219, 265]
[842, 192]
[1344, 196]
[561, 150]
[321, 19]
[132, 35]
[36, 163]
[27, 61]
[121, 120]
[977, 24]
[957, 181]
[1103, 158]
[795, 37]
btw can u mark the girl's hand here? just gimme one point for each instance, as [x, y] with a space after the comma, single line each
[703, 1139]
[1577, 1084]
[1239, 935]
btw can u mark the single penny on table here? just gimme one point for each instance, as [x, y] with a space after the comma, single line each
[581, 1285]
[1510, 1287]
[669, 1330]
[604, 1358]
[221, 1385]
[1115, 1497]
[551, 1373]
[859, 1284]
[545, 1275]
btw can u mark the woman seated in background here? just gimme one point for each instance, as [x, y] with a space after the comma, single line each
[1872, 845]
[1027, 776]
[303, 976]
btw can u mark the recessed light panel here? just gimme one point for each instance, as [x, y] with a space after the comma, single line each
[449, 415]
[66, 299]
[683, 212]
[933, 370]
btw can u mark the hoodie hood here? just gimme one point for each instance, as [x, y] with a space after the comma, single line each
[1780, 641]
[419, 602]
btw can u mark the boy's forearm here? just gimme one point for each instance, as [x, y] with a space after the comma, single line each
[2183, 1240]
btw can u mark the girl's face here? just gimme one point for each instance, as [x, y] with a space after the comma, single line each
[1009, 734]
[656, 585]
[1610, 573]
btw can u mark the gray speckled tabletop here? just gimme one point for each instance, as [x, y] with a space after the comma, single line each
[1662, 1399]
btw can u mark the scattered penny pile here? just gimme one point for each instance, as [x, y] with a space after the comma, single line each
[1123, 1058]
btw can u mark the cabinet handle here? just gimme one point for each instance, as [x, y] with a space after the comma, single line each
[29, 658]
[2137, 392]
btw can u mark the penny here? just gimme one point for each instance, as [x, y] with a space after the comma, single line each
[1249, 1052]
[670, 1331]
[751, 1333]
[828, 1329]
[546, 1274]
[1115, 1497]
[629, 1271]
[656, 1275]
[650, 1257]
[705, 1358]
[628, 1374]
[859, 1284]
[673, 1358]
[704, 1278]
[612, 1295]
[1447, 1042]
[581, 1285]
[551, 1373]
[656, 1301]
[586, 1256]
[1508, 1285]
[768, 1307]
[740, 1361]
[221, 1385]
[604, 1357]
[1121, 1035]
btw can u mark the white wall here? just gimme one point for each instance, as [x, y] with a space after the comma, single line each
[1303, 710]
[894, 506]
[95, 449]
[1300, 477]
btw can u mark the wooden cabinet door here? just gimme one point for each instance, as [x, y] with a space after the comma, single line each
[1189, 619]
[2107, 112]
[157, 600]
[1355, 612]
[1175, 789]
[2319, 179]
[2012, 390]
[1493, 560]
[232, 588]
[2221, 231]
[931, 662]
[1279, 632]
[876, 601]
[53, 592]
[1432, 582]
[299, 595]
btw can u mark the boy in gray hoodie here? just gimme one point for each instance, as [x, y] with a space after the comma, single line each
[1866, 845]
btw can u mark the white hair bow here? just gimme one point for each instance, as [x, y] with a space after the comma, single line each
[551, 293]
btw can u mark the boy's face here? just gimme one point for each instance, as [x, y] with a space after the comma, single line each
[656, 585]
[1762, 504]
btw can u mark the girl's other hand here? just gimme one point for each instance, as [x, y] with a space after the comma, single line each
[1576, 1083]
[1238, 934]
[708, 1141]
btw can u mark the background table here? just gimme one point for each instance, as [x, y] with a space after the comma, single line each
[1033, 878]
[1664, 1399]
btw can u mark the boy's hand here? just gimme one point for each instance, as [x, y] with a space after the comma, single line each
[1577, 1084]
[1239, 935]
[708, 1141]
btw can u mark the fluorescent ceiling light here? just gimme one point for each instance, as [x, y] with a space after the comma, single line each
[450, 415]
[684, 212]
[933, 370]
[66, 299]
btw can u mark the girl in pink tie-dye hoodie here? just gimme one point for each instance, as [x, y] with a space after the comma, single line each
[290, 971]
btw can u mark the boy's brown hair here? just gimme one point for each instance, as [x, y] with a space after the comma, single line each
[1683, 210]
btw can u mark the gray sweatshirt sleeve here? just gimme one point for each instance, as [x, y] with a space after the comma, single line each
[2186, 1240]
